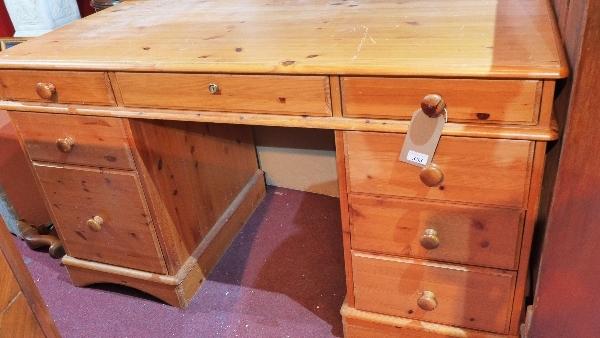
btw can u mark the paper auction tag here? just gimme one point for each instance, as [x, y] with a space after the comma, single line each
[422, 138]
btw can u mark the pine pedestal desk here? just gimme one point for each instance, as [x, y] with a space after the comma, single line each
[137, 121]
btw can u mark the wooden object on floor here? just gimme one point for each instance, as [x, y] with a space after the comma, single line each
[17, 179]
[177, 289]
[360, 69]
[173, 178]
[569, 274]
[42, 237]
[23, 312]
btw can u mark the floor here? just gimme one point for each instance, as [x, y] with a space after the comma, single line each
[282, 277]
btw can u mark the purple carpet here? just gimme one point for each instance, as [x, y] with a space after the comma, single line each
[282, 277]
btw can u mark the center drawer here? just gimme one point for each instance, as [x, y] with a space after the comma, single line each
[475, 298]
[101, 216]
[268, 94]
[475, 170]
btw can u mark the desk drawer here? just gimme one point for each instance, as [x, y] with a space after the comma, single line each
[124, 236]
[292, 95]
[87, 140]
[477, 170]
[498, 101]
[439, 231]
[69, 87]
[475, 298]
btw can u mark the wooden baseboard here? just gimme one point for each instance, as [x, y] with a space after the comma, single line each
[363, 324]
[178, 289]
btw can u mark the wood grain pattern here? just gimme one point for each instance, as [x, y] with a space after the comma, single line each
[467, 234]
[223, 232]
[286, 64]
[569, 274]
[127, 237]
[336, 95]
[363, 324]
[178, 288]
[531, 219]
[495, 101]
[84, 273]
[340, 158]
[17, 179]
[98, 141]
[296, 95]
[23, 312]
[175, 253]
[516, 132]
[196, 170]
[469, 297]
[547, 103]
[512, 38]
[17, 320]
[71, 87]
[475, 170]
[10, 288]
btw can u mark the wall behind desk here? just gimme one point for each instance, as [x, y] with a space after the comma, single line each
[297, 158]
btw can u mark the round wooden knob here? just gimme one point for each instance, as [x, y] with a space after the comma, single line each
[429, 239]
[433, 105]
[95, 223]
[432, 175]
[427, 301]
[45, 90]
[65, 144]
[213, 88]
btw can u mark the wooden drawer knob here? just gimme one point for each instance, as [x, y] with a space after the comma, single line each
[433, 105]
[213, 88]
[95, 223]
[427, 301]
[65, 144]
[429, 239]
[432, 175]
[45, 90]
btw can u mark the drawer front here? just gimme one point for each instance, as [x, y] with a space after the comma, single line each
[69, 87]
[496, 101]
[86, 140]
[292, 95]
[439, 231]
[475, 298]
[487, 171]
[123, 237]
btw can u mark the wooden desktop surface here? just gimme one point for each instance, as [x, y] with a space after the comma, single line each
[462, 38]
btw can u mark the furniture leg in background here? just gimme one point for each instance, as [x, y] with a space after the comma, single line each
[24, 209]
